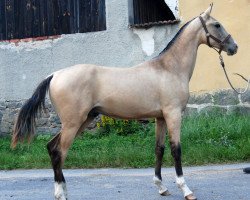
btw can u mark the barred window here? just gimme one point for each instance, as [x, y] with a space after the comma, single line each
[34, 18]
[143, 13]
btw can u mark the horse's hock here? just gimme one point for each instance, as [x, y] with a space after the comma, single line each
[225, 101]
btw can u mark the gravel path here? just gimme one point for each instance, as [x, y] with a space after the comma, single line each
[223, 182]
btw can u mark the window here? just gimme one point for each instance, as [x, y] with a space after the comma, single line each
[34, 18]
[144, 13]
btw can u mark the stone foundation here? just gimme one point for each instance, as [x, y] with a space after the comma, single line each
[225, 101]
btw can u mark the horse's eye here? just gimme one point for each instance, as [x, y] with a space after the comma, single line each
[217, 25]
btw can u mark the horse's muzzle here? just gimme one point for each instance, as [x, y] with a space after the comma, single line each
[232, 50]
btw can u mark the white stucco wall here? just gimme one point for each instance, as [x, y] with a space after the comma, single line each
[25, 64]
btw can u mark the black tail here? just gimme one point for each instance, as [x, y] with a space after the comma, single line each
[25, 124]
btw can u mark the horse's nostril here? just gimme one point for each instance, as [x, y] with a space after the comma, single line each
[232, 51]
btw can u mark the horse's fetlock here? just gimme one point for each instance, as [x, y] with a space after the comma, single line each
[59, 191]
[156, 180]
[180, 181]
[162, 189]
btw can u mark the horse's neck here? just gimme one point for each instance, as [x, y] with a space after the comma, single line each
[181, 57]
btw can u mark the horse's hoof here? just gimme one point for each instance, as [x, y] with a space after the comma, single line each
[166, 193]
[190, 197]
[60, 198]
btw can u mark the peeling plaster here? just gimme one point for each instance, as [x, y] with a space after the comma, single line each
[147, 40]
[28, 46]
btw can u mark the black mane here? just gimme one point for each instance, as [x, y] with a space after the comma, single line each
[175, 37]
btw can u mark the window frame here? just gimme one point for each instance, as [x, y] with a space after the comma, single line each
[134, 24]
[36, 18]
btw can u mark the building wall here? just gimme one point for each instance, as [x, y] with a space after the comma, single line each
[24, 64]
[235, 16]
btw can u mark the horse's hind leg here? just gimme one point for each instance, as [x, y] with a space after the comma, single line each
[160, 131]
[173, 120]
[56, 159]
[58, 148]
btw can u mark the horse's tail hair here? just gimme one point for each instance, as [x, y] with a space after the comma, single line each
[24, 127]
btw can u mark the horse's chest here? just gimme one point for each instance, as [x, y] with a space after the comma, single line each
[175, 93]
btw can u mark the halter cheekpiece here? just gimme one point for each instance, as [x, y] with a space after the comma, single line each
[209, 35]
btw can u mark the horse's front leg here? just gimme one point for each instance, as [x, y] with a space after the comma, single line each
[173, 120]
[160, 131]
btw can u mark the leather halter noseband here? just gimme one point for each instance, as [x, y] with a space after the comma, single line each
[208, 35]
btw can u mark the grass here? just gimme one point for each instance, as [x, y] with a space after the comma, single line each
[206, 139]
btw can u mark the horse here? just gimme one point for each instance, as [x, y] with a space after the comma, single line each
[157, 88]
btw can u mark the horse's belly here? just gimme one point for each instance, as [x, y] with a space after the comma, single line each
[124, 114]
[129, 110]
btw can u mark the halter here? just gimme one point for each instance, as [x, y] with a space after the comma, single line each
[222, 63]
[208, 36]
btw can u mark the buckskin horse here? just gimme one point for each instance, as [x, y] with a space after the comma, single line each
[158, 88]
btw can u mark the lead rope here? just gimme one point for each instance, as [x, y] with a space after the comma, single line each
[222, 63]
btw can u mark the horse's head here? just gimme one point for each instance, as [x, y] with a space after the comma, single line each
[215, 34]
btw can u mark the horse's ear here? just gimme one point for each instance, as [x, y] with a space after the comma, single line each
[209, 10]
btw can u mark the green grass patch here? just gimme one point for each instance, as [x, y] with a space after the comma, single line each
[206, 139]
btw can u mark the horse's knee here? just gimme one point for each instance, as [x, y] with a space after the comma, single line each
[159, 149]
[175, 150]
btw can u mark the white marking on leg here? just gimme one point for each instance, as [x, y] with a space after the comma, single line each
[159, 184]
[59, 191]
[181, 183]
[65, 190]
